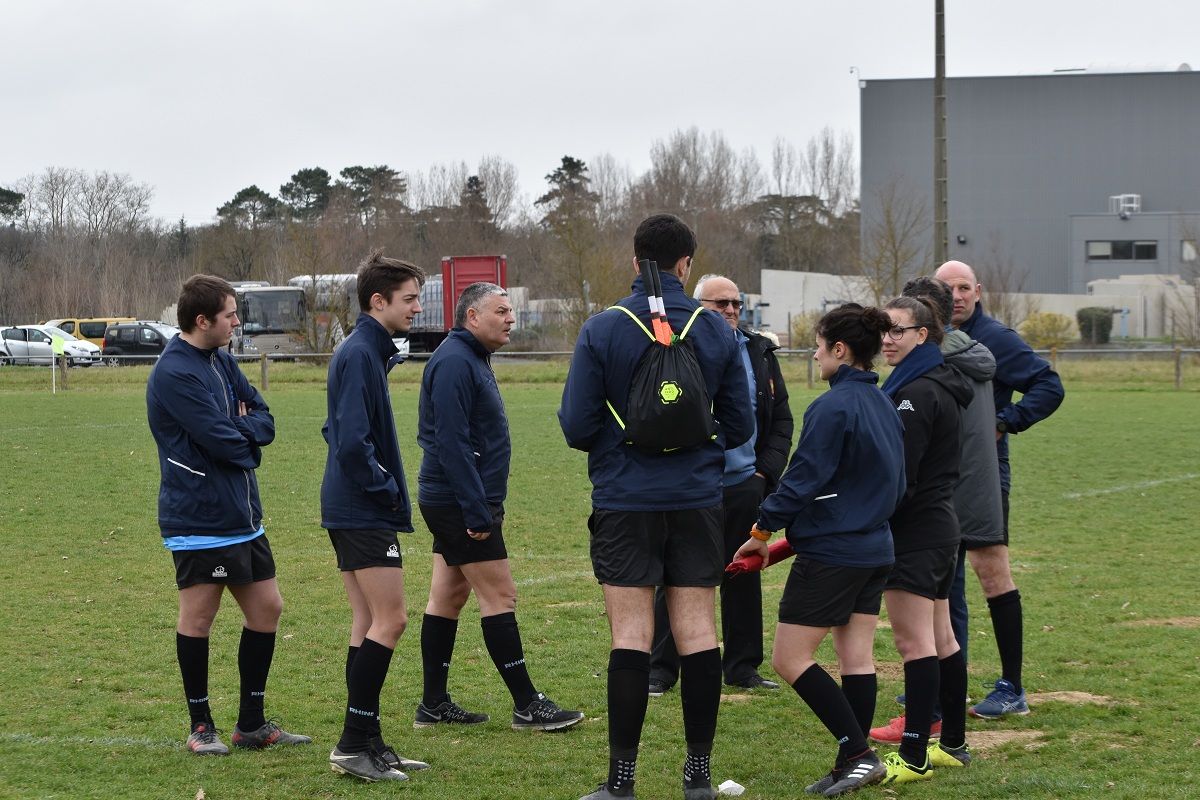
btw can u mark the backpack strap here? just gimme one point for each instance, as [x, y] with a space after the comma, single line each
[688, 327]
[634, 317]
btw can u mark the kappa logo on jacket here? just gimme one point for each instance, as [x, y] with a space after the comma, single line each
[905, 406]
[393, 551]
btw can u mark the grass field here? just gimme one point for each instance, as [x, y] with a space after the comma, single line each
[1105, 546]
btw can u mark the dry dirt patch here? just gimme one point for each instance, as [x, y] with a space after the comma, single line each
[1170, 622]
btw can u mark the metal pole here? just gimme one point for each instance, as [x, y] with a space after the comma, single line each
[1178, 367]
[263, 360]
[941, 202]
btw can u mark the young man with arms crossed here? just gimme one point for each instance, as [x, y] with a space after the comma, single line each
[210, 426]
[364, 502]
[656, 516]
[462, 485]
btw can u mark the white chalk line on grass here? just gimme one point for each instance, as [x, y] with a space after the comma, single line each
[1129, 487]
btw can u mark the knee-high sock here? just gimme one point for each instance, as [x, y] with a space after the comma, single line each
[952, 672]
[437, 647]
[1008, 622]
[192, 652]
[367, 675]
[861, 691]
[628, 675]
[825, 698]
[700, 696]
[255, 653]
[921, 681]
[502, 638]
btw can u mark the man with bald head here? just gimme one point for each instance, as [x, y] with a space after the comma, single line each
[1018, 369]
[751, 472]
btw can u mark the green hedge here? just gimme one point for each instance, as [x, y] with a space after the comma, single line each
[1095, 324]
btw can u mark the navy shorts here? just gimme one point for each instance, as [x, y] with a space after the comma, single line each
[658, 548]
[927, 573]
[451, 541]
[822, 595]
[359, 549]
[230, 565]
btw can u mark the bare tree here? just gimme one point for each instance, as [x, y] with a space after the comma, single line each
[895, 246]
[1004, 283]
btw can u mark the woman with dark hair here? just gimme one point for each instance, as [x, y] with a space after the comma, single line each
[928, 395]
[836, 521]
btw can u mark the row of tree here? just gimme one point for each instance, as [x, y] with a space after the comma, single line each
[85, 244]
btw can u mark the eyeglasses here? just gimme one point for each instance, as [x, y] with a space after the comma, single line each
[723, 304]
[897, 333]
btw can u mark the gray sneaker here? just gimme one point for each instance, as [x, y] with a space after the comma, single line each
[829, 780]
[858, 772]
[203, 741]
[447, 712]
[266, 736]
[369, 766]
[543, 714]
[395, 761]
[604, 793]
[699, 789]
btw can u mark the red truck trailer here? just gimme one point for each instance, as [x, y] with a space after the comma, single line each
[440, 295]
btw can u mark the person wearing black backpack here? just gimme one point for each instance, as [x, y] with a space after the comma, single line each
[657, 514]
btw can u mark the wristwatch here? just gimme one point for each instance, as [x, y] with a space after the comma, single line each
[1002, 426]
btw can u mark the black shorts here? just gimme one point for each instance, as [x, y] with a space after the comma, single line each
[359, 549]
[824, 596]
[927, 573]
[658, 548]
[230, 565]
[450, 538]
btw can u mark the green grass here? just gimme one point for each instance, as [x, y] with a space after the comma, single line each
[1104, 544]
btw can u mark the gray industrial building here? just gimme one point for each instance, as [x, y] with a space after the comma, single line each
[1054, 180]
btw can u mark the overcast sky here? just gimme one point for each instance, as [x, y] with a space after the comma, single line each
[201, 99]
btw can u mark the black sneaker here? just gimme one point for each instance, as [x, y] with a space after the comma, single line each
[604, 793]
[858, 772]
[820, 786]
[367, 765]
[265, 736]
[393, 760]
[658, 688]
[447, 713]
[755, 681]
[699, 789]
[203, 741]
[542, 714]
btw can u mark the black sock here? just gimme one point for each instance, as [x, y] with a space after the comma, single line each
[700, 695]
[437, 646]
[825, 698]
[502, 639]
[861, 691]
[628, 675]
[1007, 622]
[696, 769]
[952, 672]
[192, 652]
[254, 663]
[351, 652]
[921, 681]
[367, 675]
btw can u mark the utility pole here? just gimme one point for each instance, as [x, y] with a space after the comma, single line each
[941, 200]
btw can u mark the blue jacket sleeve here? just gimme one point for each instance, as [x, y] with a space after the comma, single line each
[730, 408]
[1018, 367]
[258, 426]
[583, 413]
[811, 470]
[195, 410]
[452, 399]
[350, 438]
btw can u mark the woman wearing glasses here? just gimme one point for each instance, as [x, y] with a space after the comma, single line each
[928, 394]
[836, 516]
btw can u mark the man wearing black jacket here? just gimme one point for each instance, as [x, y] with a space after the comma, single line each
[751, 472]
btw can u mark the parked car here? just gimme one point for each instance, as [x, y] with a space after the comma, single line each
[136, 342]
[33, 344]
[90, 329]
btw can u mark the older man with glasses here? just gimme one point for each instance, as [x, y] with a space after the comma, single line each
[751, 472]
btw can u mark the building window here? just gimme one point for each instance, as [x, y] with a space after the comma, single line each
[1187, 250]
[1122, 250]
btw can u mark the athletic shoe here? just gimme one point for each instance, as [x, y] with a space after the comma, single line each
[755, 681]
[267, 735]
[395, 761]
[900, 698]
[942, 756]
[820, 786]
[447, 712]
[203, 741]
[1002, 701]
[699, 789]
[658, 688]
[900, 771]
[893, 732]
[604, 793]
[542, 714]
[367, 765]
[858, 772]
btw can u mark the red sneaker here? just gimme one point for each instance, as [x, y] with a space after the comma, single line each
[893, 732]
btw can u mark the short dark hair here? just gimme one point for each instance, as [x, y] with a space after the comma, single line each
[860, 329]
[202, 295]
[924, 312]
[383, 276]
[664, 239]
[936, 290]
[473, 297]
